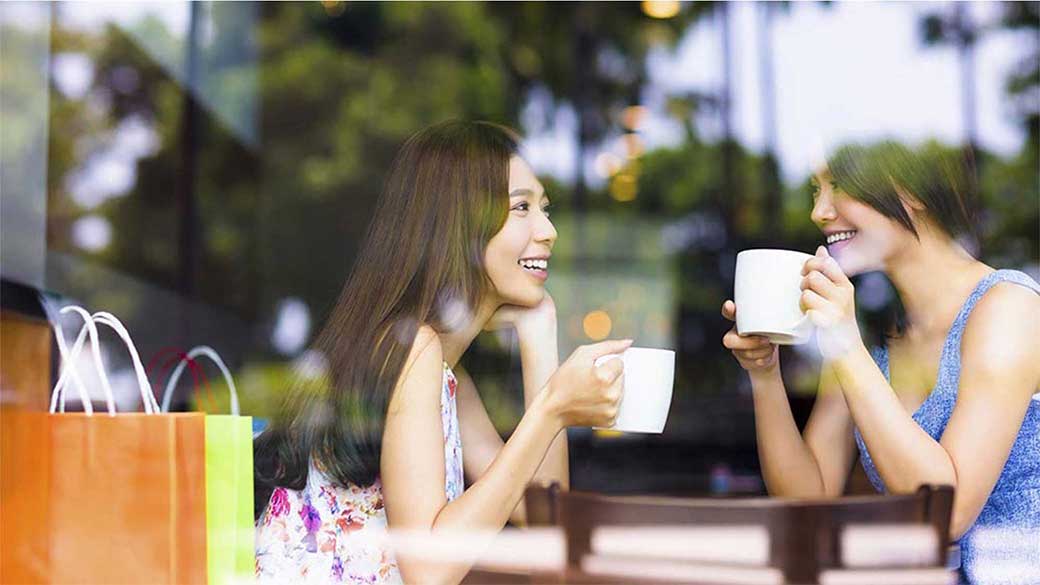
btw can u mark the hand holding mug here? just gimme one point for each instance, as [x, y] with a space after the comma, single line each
[829, 301]
[581, 393]
[755, 353]
[766, 288]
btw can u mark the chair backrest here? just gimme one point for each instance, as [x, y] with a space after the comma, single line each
[803, 536]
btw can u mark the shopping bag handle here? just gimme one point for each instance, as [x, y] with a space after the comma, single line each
[191, 355]
[89, 326]
[68, 367]
[147, 395]
[197, 374]
[69, 360]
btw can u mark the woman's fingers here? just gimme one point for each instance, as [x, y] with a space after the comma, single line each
[729, 310]
[761, 359]
[734, 341]
[831, 269]
[825, 264]
[816, 263]
[811, 300]
[817, 282]
[598, 350]
[610, 370]
[752, 351]
[754, 354]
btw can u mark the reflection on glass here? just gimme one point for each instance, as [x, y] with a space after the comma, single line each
[224, 202]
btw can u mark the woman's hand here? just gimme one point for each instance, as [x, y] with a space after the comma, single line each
[755, 353]
[582, 394]
[527, 321]
[828, 298]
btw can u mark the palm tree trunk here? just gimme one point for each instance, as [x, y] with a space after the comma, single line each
[770, 167]
[728, 198]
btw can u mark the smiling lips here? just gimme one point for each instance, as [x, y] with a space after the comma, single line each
[838, 240]
[537, 267]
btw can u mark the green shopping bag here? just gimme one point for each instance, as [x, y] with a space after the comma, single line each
[229, 498]
[229, 482]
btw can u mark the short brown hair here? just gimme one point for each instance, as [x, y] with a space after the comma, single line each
[933, 175]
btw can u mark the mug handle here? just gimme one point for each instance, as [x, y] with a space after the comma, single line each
[600, 361]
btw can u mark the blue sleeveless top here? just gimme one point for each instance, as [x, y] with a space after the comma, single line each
[1003, 546]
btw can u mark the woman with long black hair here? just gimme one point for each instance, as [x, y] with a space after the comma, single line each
[460, 242]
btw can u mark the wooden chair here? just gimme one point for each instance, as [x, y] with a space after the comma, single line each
[749, 540]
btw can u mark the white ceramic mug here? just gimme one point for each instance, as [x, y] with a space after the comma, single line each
[767, 291]
[647, 395]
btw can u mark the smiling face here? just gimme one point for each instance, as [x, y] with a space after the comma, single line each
[517, 257]
[859, 237]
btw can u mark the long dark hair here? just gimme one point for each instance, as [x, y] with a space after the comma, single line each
[939, 179]
[422, 262]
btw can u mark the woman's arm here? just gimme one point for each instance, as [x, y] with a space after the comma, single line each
[1000, 370]
[481, 441]
[815, 464]
[829, 436]
[412, 468]
[539, 358]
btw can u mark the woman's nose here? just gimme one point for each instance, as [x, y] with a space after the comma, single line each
[823, 210]
[545, 231]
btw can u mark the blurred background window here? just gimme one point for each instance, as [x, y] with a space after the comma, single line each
[206, 170]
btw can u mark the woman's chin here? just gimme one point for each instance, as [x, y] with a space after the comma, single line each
[850, 268]
[854, 266]
[527, 298]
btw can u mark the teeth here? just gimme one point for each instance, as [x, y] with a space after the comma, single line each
[840, 236]
[533, 264]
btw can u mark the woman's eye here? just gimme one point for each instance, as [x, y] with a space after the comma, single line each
[546, 210]
[522, 207]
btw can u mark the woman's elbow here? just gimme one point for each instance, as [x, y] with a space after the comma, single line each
[961, 521]
[909, 484]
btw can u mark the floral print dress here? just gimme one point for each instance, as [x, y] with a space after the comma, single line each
[330, 534]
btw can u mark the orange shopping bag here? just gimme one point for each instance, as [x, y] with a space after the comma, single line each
[125, 501]
[25, 359]
[128, 496]
[24, 493]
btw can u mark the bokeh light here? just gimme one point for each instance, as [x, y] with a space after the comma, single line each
[334, 7]
[634, 146]
[660, 8]
[633, 117]
[92, 233]
[292, 326]
[608, 164]
[597, 325]
[623, 187]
